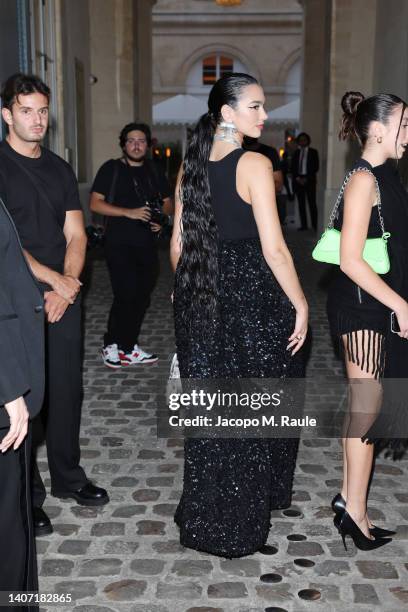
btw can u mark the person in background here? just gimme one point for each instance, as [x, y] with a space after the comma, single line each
[305, 166]
[134, 195]
[253, 144]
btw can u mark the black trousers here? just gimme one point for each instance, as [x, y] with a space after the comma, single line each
[133, 271]
[61, 416]
[18, 565]
[308, 192]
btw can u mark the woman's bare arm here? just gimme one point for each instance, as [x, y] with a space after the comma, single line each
[175, 243]
[259, 175]
[359, 196]
[257, 172]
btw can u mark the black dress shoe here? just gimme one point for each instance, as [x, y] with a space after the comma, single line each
[346, 526]
[88, 495]
[339, 506]
[42, 524]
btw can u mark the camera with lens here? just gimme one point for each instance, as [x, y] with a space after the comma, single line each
[156, 211]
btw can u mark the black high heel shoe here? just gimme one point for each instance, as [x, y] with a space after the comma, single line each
[339, 505]
[346, 526]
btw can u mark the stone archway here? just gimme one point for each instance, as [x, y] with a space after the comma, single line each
[204, 50]
[287, 65]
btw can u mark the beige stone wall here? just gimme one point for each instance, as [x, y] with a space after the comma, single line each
[77, 131]
[351, 68]
[264, 35]
[143, 59]
[342, 52]
[111, 35]
[391, 56]
[316, 66]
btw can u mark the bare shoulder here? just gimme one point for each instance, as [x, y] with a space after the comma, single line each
[252, 161]
[362, 179]
[361, 188]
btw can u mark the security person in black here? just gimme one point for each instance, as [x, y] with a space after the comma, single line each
[41, 194]
[134, 195]
[305, 166]
[21, 396]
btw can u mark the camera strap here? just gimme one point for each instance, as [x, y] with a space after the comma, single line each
[150, 171]
[111, 195]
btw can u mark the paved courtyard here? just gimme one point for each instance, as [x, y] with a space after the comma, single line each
[126, 557]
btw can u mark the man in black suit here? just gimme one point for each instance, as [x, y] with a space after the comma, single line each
[305, 166]
[21, 396]
[41, 193]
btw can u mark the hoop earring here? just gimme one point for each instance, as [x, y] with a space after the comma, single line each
[379, 139]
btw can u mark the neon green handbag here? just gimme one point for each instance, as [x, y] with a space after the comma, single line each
[375, 251]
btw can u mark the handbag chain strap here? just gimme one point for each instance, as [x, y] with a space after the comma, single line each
[333, 213]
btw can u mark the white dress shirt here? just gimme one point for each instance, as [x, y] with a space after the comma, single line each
[303, 160]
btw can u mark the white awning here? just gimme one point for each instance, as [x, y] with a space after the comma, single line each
[179, 110]
[289, 112]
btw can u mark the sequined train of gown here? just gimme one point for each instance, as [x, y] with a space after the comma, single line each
[231, 485]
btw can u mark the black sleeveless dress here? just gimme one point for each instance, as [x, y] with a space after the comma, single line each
[231, 485]
[350, 309]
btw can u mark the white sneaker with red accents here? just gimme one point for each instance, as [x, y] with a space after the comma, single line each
[137, 356]
[110, 356]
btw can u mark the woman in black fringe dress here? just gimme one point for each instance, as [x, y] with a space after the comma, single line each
[239, 313]
[360, 301]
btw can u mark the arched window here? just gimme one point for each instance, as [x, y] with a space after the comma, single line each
[216, 66]
[206, 70]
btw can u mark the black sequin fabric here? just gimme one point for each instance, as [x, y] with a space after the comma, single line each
[231, 485]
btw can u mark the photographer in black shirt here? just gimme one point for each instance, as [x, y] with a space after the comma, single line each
[134, 196]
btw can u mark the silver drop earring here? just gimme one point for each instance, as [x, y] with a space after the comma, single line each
[227, 125]
[228, 133]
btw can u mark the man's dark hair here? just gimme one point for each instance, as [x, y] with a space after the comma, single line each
[130, 127]
[21, 85]
[303, 135]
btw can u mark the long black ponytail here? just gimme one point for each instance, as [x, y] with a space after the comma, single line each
[198, 264]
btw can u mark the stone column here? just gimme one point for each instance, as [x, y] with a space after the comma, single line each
[111, 34]
[143, 59]
[315, 73]
[391, 56]
[339, 54]
[351, 69]
[315, 82]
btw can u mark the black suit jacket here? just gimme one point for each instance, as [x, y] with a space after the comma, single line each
[312, 165]
[21, 325]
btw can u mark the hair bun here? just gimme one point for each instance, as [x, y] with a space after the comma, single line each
[350, 102]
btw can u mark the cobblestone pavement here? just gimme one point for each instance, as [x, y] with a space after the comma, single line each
[126, 556]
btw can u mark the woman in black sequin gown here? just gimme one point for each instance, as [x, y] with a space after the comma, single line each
[360, 301]
[238, 306]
